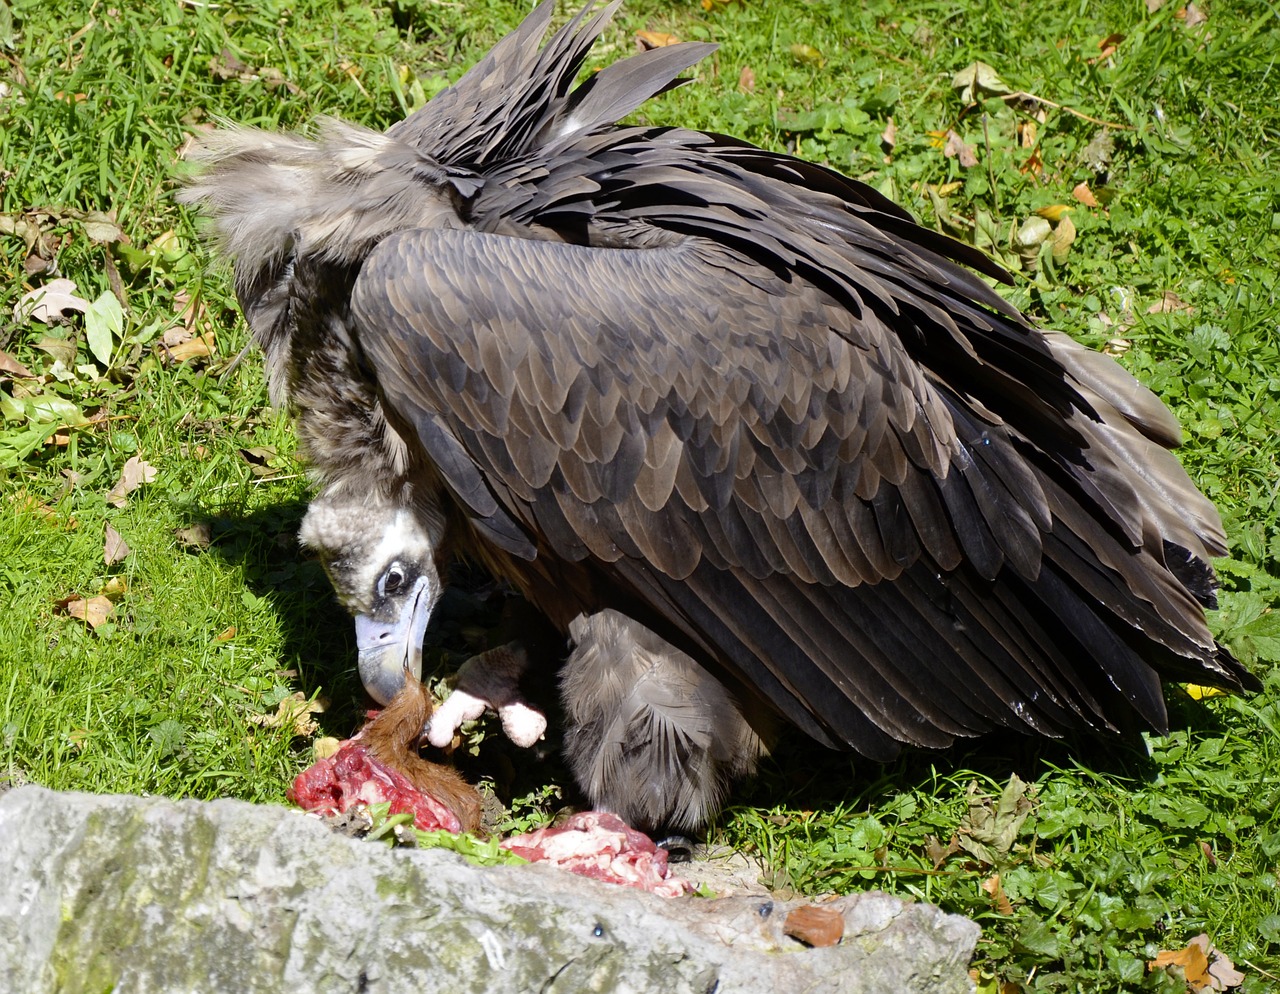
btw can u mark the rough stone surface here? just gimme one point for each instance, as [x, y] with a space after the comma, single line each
[144, 895]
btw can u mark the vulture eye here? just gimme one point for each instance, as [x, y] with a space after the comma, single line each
[393, 579]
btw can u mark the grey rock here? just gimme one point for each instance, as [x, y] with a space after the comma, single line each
[140, 895]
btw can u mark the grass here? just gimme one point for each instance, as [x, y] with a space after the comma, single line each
[1115, 852]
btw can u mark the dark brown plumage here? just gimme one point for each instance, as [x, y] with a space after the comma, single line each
[739, 401]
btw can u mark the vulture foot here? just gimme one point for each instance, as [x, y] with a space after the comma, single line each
[653, 737]
[489, 681]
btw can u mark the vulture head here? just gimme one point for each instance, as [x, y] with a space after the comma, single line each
[760, 445]
[381, 559]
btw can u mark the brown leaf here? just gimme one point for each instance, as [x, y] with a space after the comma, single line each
[990, 827]
[114, 548]
[136, 472]
[1027, 131]
[195, 347]
[93, 611]
[10, 365]
[889, 136]
[656, 39]
[1107, 47]
[1064, 235]
[1192, 960]
[1192, 15]
[956, 148]
[1154, 5]
[226, 635]
[1170, 303]
[939, 853]
[998, 897]
[49, 303]
[815, 926]
[747, 80]
[196, 536]
[1083, 194]
[294, 712]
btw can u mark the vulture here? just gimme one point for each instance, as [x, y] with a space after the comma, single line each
[763, 447]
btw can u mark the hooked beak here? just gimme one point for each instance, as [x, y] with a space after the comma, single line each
[390, 649]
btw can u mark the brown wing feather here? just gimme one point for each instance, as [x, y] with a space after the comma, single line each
[849, 535]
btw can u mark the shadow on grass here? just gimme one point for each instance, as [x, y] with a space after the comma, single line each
[474, 614]
[803, 775]
[477, 613]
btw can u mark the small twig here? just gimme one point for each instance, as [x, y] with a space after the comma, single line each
[262, 479]
[991, 173]
[886, 869]
[1251, 966]
[1024, 95]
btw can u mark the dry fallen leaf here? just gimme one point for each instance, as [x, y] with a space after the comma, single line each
[136, 472]
[10, 365]
[1063, 237]
[656, 39]
[326, 746]
[1027, 131]
[807, 55]
[963, 153]
[747, 80]
[1054, 212]
[114, 548]
[93, 611]
[294, 712]
[226, 635]
[939, 853]
[1192, 16]
[1107, 47]
[1204, 966]
[47, 304]
[1170, 303]
[196, 536]
[195, 347]
[1083, 194]
[976, 79]
[815, 926]
[998, 897]
[889, 136]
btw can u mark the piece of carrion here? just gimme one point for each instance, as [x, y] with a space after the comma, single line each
[602, 846]
[381, 763]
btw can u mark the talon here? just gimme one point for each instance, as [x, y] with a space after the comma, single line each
[489, 680]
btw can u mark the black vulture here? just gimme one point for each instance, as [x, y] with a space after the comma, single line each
[761, 445]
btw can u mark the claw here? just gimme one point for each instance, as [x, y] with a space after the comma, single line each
[489, 680]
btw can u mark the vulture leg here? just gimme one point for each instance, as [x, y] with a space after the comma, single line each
[489, 681]
[652, 737]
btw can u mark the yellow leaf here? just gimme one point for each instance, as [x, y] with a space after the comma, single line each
[294, 712]
[1192, 960]
[806, 54]
[1199, 693]
[656, 39]
[1053, 212]
[326, 746]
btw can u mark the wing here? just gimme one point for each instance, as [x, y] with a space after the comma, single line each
[878, 546]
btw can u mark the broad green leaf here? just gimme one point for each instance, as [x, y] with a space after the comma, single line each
[103, 326]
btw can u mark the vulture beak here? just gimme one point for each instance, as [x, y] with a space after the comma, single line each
[389, 640]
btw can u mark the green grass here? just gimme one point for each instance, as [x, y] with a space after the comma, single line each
[1127, 850]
